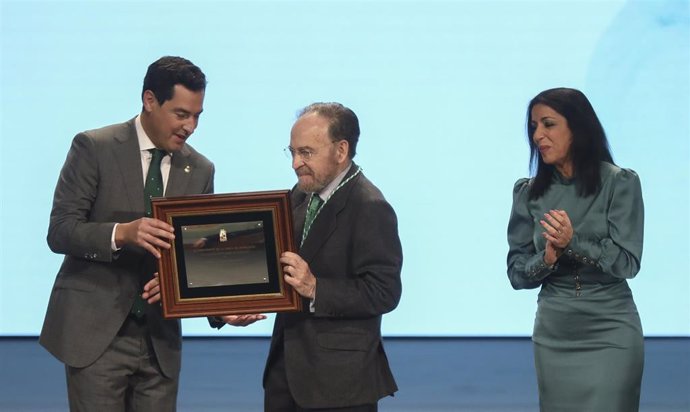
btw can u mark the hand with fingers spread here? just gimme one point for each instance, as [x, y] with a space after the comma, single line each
[557, 228]
[298, 275]
[147, 233]
[242, 320]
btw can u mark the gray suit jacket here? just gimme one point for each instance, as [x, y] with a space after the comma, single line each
[334, 356]
[101, 183]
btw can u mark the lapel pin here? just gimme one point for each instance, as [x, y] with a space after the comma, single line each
[187, 169]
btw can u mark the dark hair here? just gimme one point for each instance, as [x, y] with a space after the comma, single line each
[589, 146]
[343, 123]
[163, 74]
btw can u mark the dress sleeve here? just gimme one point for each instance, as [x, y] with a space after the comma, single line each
[526, 267]
[620, 253]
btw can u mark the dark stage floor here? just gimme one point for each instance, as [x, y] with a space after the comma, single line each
[463, 374]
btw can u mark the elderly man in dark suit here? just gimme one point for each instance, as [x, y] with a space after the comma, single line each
[119, 352]
[331, 357]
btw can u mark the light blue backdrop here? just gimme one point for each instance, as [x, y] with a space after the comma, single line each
[440, 87]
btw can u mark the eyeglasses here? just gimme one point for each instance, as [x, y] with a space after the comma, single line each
[304, 153]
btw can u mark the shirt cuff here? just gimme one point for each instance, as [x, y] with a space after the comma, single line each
[113, 246]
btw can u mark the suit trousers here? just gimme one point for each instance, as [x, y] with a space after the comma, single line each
[125, 378]
[277, 396]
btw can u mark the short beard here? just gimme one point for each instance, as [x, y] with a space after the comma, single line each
[313, 187]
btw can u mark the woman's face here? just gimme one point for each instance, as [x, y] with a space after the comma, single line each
[553, 138]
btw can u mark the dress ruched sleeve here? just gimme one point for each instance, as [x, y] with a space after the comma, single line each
[526, 267]
[620, 253]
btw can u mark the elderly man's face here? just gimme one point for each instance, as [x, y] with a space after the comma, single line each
[316, 159]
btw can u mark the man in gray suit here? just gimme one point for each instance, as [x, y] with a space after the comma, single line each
[331, 357]
[119, 352]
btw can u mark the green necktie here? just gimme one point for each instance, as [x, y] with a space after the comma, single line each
[152, 188]
[312, 210]
[154, 179]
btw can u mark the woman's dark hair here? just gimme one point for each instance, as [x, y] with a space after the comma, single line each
[589, 146]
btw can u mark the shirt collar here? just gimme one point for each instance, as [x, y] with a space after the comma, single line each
[328, 190]
[145, 143]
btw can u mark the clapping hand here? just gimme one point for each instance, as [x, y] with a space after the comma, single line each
[558, 231]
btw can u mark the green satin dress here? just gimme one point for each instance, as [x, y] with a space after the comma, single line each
[588, 342]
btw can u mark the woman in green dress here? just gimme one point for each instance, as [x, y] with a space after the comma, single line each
[576, 231]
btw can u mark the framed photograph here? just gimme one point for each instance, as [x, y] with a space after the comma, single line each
[225, 256]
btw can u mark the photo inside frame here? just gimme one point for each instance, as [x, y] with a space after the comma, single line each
[227, 254]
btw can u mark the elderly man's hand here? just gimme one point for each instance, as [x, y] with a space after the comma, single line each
[298, 275]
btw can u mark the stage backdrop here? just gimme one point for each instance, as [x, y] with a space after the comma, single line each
[440, 88]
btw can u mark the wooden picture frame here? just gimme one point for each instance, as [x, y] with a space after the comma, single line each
[225, 256]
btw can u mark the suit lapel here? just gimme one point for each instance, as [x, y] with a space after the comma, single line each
[326, 222]
[180, 172]
[128, 158]
[300, 200]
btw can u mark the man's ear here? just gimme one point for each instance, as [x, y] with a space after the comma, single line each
[343, 150]
[149, 100]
